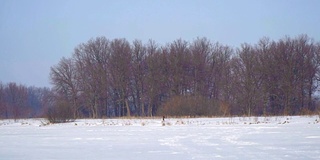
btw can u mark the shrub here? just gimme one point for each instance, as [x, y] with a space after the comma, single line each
[189, 106]
[61, 113]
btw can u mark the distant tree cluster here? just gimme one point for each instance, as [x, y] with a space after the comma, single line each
[107, 78]
[19, 101]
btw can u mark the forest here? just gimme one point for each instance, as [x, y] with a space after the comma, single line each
[115, 78]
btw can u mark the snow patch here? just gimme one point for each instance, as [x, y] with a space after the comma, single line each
[189, 138]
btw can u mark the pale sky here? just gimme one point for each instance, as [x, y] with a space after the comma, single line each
[36, 34]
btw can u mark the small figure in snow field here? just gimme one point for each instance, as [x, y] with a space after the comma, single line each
[163, 123]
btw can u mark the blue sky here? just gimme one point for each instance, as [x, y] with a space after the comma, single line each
[36, 34]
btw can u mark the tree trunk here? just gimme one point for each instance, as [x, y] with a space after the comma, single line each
[150, 108]
[128, 108]
[142, 109]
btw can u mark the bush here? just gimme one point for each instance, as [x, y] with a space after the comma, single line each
[62, 113]
[189, 106]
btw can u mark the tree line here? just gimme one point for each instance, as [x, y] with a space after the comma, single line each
[116, 78]
[113, 78]
[20, 101]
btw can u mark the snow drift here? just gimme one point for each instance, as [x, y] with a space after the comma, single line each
[188, 138]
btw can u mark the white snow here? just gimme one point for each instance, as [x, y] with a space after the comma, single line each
[190, 138]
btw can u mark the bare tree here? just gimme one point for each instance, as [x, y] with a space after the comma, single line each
[91, 61]
[200, 49]
[64, 78]
[249, 79]
[16, 101]
[139, 70]
[121, 73]
[178, 62]
[157, 77]
[219, 74]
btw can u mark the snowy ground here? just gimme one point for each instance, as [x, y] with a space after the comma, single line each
[198, 138]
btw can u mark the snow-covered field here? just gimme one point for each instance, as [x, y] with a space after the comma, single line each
[194, 138]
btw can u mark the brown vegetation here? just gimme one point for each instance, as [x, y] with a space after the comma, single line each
[113, 78]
